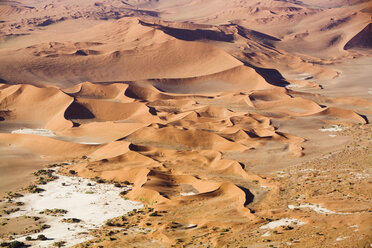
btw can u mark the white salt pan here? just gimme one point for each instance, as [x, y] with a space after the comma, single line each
[334, 128]
[315, 207]
[188, 193]
[39, 131]
[93, 205]
[282, 222]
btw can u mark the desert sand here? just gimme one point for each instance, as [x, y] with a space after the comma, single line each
[223, 123]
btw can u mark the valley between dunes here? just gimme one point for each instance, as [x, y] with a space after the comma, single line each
[234, 123]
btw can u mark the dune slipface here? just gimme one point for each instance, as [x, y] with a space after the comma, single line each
[228, 123]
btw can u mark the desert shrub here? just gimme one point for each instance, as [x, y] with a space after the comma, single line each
[72, 172]
[117, 185]
[16, 244]
[28, 238]
[54, 212]
[123, 192]
[9, 211]
[71, 220]
[14, 195]
[34, 189]
[41, 237]
[44, 226]
[59, 243]
[109, 223]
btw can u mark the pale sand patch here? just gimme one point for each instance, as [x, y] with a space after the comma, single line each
[333, 128]
[90, 143]
[188, 193]
[93, 205]
[38, 131]
[266, 234]
[341, 238]
[316, 208]
[282, 222]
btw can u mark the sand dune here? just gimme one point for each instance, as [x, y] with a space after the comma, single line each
[199, 105]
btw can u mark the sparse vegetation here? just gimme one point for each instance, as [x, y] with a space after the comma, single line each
[44, 226]
[59, 243]
[9, 211]
[34, 189]
[13, 244]
[71, 220]
[54, 212]
[109, 223]
[41, 237]
[14, 195]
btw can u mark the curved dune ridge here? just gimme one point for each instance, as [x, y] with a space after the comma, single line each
[154, 139]
[194, 103]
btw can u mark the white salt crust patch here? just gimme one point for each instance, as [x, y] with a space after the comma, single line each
[93, 205]
[282, 222]
[38, 131]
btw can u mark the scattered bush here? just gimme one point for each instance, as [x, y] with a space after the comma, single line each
[155, 214]
[123, 192]
[44, 226]
[59, 243]
[41, 237]
[54, 212]
[13, 244]
[117, 185]
[72, 172]
[34, 189]
[71, 220]
[109, 223]
[13, 210]
[14, 195]
[28, 238]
